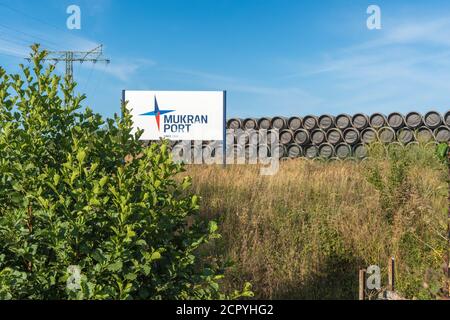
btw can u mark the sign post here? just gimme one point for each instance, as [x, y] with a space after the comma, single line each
[224, 143]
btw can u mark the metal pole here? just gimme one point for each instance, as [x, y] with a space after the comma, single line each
[224, 143]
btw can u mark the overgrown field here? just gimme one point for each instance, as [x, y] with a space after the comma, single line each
[305, 232]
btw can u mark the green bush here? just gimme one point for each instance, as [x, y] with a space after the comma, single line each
[77, 220]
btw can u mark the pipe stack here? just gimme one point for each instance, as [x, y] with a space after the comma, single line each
[342, 136]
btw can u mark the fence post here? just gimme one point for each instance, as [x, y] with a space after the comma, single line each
[447, 258]
[391, 274]
[362, 284]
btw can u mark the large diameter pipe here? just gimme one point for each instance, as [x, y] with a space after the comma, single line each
[369, 135]
[286, 136]
[396, 120]
[386, 135]
[413, 120]
[278, 149]
[360, 151]
[360, 121]
[432, 120]
[442, 134]
[250, 124]
[351, 136]
[343, 121]
[377, 120]
[311, 151]
[318, 136]
[326, 122]
[447, 118]
[273, 136]
[246, 136]
[234, 123]
[326, 150]
[432, 144]
[394, 147]
[302, 137]
[412, 145]
[294, 123]
[424, 135]
[405, 136]
[264, 123]
[334, 136]
[343, 151]
[279, 123]
[310, 122]
[294, 150]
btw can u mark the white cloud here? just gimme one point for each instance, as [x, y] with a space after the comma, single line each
[406, 68]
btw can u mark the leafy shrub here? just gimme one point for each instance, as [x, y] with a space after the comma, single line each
[79, 221]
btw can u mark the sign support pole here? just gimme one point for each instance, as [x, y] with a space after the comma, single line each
[224, 143]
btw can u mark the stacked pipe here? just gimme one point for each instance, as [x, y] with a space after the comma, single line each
[344, 136]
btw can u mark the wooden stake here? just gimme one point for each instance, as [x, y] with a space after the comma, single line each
[391, 274]
[447, 256]
[362, 284]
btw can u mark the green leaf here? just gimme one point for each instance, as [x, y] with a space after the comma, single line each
[115, 267]
[213, 227]
[81, 155]
[56, 179]
[155, 256]
[103, 181]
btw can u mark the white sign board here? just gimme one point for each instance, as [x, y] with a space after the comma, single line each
[178, 115]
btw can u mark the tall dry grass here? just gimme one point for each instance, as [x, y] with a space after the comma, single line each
[305, 232]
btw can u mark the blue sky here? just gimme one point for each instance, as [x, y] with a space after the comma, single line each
[272, 56]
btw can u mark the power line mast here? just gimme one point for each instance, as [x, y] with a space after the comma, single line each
[69, 57]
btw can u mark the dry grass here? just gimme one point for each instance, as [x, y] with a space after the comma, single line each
[305, 232]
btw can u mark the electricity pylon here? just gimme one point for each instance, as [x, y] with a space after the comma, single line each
[69, 57]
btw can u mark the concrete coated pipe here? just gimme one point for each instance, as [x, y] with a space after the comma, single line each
[396, 120]
[295, 123]
[343, 151]
[294, 150]
[334, 136]
[442, 134]
[234, 123]
[310, 122]
[326, 122]
[302, 137]
[318, 136]
[386, 135]
[360, 121]
[326, 150]
[279, 123]
[286, 136]
[311, 151]
[343, 121]
[377, 120]
[424, 135]
[351, 136]
[264, 123]
[405, 135]
[250, 124]
[369, 135]
[413, 120]
[360, 151]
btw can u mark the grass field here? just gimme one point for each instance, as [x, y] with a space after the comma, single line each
[305, 232]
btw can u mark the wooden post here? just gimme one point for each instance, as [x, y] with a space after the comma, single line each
[391, 274]
[447, 256]
[362, 284]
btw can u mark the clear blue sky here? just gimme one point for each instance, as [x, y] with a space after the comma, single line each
[272, 56]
